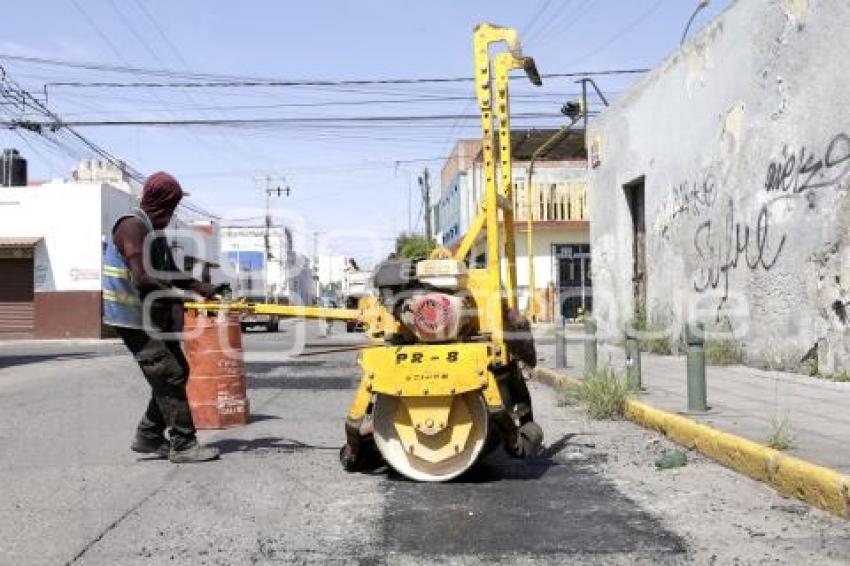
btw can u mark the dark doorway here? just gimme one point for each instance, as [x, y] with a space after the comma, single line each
[17, 302]
[574, 294]
[634, 192]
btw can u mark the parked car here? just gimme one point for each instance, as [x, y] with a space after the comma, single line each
[357, 287]
[269, 322]
[327, 302]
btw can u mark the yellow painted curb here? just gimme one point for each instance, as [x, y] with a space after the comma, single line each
[555, 379]
[790, 476]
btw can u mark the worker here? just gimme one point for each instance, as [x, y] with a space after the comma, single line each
[138, 262]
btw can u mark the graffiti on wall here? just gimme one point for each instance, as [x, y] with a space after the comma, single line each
[687, 199]
[721, 246]
[726, 238]
[804, 170]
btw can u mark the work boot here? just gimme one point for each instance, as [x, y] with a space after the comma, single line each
[526, 442]
[158, 446]
[193, 453]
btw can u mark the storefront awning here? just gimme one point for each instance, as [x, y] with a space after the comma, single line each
[19, 242]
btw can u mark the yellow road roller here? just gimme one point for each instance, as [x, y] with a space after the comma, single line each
[442, 382]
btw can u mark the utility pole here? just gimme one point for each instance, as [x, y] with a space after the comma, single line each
[316, 263]
[409, 205]
[273, 187]
[568, 111]
[425, 188]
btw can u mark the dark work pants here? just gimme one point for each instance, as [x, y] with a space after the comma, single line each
[166, 369]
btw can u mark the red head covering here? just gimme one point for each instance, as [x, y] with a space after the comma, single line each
[160, 192]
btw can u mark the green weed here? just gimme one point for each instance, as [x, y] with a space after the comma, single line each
[779, 437]
[723, 353]
[604, 393]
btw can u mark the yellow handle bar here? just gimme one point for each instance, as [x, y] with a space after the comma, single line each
[289, 311]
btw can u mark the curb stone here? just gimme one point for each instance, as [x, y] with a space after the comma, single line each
[821, 487]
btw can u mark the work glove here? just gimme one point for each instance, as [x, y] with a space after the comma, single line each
[208, 291]
[223, 290]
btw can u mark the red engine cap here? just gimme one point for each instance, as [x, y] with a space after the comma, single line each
[433, 314]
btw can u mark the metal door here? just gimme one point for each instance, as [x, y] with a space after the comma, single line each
[573, 263]
[17, 310]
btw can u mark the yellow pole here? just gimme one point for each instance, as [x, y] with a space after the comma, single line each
[547, 146]
[484, 35]
[529, 224]
[504, 62]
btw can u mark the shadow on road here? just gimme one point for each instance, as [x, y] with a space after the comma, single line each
[12, 361]
[500, 466]
[258, 418]
[266, 444]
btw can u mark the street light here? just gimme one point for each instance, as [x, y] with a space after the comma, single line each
[702, 5]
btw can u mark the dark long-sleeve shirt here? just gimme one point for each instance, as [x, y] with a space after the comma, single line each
[130, 238]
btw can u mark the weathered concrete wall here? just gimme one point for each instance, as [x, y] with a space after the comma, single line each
[744, 140]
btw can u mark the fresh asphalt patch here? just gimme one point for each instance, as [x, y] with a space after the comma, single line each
[546, 507]
[534, 508]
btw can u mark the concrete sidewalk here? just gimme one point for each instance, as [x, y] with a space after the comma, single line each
[744, 401]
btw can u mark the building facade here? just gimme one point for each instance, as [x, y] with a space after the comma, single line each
[52, 238]
[720, 188]
[452, 211]
[561, 237]
[262, 262]
[451, 218]
[559, 212]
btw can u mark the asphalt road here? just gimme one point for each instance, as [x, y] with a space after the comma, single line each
[72, 493]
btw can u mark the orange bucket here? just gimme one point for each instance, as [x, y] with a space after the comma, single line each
[217, 386]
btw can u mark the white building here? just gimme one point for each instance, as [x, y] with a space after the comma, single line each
[101, 171]
[196, 247]
[261, 261]
[52, 239]
[719, 189]
[331, 270]
[301, 282]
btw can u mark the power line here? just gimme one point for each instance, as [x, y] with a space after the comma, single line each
[620, 33]
[52, 131]
[526, 29]
[166, 40]
[206, 79]
[552, 21]
[528, 99]
[296, 83]
[143, 42]
[38, 126]
[128, 69]
[97, 30]
[59, 124]
[139, 37]
[569, 17]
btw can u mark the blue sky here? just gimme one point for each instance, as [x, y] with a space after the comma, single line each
[345, 180]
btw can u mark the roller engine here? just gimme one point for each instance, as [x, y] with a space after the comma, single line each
[428, 298]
